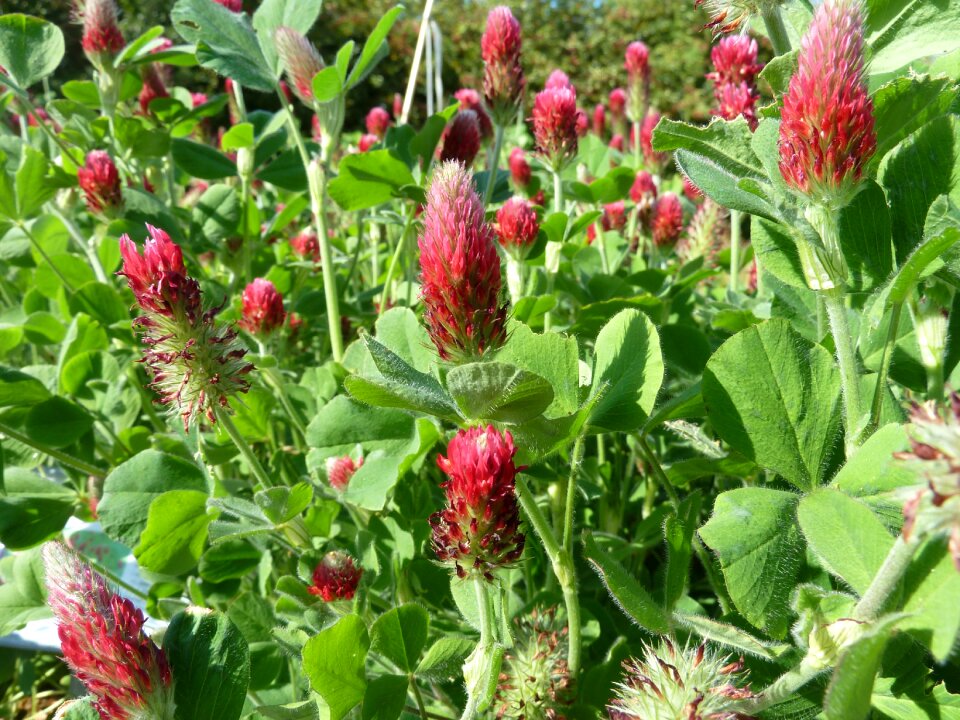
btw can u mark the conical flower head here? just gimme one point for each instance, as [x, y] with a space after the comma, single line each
[617, 102]
[637, 64]
[461, 140]
[736, 100]
[469, 99]
[734, 60]
[707, 234]
[503, 79]
[103, 642]
[535, 681]
[100, 182]
[517, 226]
[306, 245]
[196, 364]
[519, 167]
[555, 125]
[667, 221]
[336, 577]
[263, 311]
[646, 140]
[479, 529]
[690, 683]
[378, 121]
[340, 470]
[300, 59]
[826, 128]
[102, 38]
[460, 269]
[599, 119]
[558, 79]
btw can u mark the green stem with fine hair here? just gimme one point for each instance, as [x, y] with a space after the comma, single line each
[847, 360]
[884, 370]
[551, 272]
[735, 230]
[894, 567]
[58, 455]
[776, 30]
[635, 146]
[494, 164]
[256, 469]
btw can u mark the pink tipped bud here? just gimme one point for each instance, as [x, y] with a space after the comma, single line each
[366, 142]
[336, 577]
[195, 364]
[340, 470]
[519, 167]
[479, 529]
[559, 79]
[617, 101]
[306, 245]
[517, 226]
[231, 5]
[397, 106]
[503, 79]
[461, 141]
[103, 642]
[197, 99]
[646, 140]
[102, 38]
[469, 99]
[826, 130]
[460, 269]
[637, 64]
[599, 119]
[153, 87]
[617, 142]
[300, 59]
[263, 311]
[667, 222]
[555, 125]
[734, 60]
[378, 121]
[100, 182]
[583, 124]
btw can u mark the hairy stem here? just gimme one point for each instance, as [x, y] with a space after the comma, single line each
[735, 230]
[58, 455]
[887, 578]
[494, 164]
[884, 370]
[776, 30]
[256, 469]
[847, 360]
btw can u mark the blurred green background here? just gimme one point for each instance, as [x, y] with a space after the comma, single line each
[585, 38]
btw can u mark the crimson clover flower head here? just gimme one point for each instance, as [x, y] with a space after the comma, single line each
[263, 311]
[617, 142]
[100, 182]
[479, 529]
[340, 469]
[729, 16]
[102, 38]
[461, 139]
[555, 118]
[460, 269]
[599, 119]
[637, 64]
[470, 99]
[644, 189]
[306, 245]
[336, 577]
[378, 121]
[397, 105]
[535, 681]
[734, 60]
[735, 100]
[827, 127]
[667, 221]
[231, 5]
[617, 102]
[196, 364]
[300, 59]
[366, 141]
[517, 226]
[646, 140]
[103, 642]
[519, 167]
[503, 79]
[153, 87]
[669, 683]
[559, 79]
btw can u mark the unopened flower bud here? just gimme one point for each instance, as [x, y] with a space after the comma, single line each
[503, 79]
[300, 59]
[461, 139]
[102, 39]
[517, 226]
[245, 166]
[637, 64]
[519, 167]
[340, 470]
[469, 99]
[336, 577]
[378, 121]
[555, 125]
[263, 311]
[100, 182]
[667, 221]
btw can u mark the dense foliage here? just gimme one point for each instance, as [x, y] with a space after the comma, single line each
[564, 401]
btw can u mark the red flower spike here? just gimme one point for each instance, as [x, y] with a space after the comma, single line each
[599, 119]
[378, 121]
[336, 577]
[559, 79]
[517, 226]
[300, 59]
[646, 140]
[555, 118]
[479, 529]
[826, 131]
[519, 167]
[637, 64]
[263, 311]
[734, 60]
[503, 79]
[102, 38]
[340, 470]
[196, 365]
[100, 182]
[459, 269]
[306, 245]
[103, 642]
[153, 87]
[616, 142]
[366, 141]
[644, 189]
[461, 141]
[469, 99]
[667, 221]
[617, 102]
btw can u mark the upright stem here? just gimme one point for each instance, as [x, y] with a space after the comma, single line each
[86, 247]
[256, 469]
[882, 373]
[887, 578]
[575, 459]
[776, 30]
[415, 68]
[635, 145]
[602, 247]
[781, 688]
[484, 648]
[58, 455]
[43, 254]
[734, 250]
[494, 164]
[557, 192]
[847, 360]
[552, 254]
